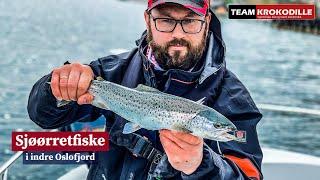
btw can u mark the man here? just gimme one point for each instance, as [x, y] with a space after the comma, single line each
[181, 53]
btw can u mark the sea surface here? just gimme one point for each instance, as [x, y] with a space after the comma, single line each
[277, 66]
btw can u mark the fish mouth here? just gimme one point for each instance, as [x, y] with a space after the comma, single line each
[229, 136]
[232, 137]
[224, 135]
[228, 130]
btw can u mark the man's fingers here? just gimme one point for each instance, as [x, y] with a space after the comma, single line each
[84, 83]
[188, 138]
[55, 85]
[63, 82]
[171, 149]
[73, 80]
[182, 144]
[85, 99]
[169, 145]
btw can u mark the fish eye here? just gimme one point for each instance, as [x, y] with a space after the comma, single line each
[218, 125]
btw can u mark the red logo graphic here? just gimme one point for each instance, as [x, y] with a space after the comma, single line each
[240, 134]
[286, 11]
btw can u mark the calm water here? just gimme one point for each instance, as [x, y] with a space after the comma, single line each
[278, 67]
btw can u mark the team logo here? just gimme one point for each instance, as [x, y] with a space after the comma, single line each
[273, 11]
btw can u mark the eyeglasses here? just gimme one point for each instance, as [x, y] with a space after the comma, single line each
[190, 26]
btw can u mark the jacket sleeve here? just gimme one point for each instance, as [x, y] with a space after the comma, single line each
[237, 160]
[42, 107]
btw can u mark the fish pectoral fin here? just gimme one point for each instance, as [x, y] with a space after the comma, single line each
[186, 130]
[201, 101]
[145, 88]
[182, 129]
[130, 128]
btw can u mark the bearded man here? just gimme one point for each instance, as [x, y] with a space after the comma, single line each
[181, 53]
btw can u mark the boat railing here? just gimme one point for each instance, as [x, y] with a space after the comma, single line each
[267, 107]
[5, 167]
[288, 109]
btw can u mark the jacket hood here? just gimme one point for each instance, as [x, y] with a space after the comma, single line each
[215, 57]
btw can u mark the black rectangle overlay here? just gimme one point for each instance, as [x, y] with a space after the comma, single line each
[242, 11]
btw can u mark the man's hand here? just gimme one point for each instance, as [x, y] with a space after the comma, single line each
[71, 82]
[184, 151]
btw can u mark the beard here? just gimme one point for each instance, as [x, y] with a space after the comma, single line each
[177, 60]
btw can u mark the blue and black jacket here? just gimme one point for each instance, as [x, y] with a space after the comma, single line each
[210, 79]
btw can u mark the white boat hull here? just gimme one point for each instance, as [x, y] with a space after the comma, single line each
[283, 165]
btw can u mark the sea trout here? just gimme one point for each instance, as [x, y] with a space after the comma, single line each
[149, 108]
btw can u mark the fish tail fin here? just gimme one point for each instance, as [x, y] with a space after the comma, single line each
[61, 103]
[99, 78]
